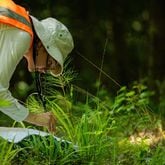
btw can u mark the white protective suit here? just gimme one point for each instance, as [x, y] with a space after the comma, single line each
[14, 43]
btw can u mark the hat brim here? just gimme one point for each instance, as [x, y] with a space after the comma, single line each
[52, 50]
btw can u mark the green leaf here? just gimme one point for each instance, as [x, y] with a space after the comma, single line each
[130, 94]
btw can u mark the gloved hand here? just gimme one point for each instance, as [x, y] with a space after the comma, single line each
[46, 119]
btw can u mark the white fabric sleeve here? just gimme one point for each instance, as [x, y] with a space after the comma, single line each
[12, 108]
[13, 45]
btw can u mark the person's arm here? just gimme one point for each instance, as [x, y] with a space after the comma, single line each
[46, 119]
[19, 113]
[13, 108]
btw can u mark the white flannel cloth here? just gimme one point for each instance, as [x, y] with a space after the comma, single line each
[14, 43]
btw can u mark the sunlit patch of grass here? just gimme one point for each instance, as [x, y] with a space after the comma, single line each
[149, 137]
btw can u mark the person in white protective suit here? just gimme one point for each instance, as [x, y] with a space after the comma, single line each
[53, 42]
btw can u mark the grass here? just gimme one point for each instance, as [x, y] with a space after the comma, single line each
[89, 133]
[106, 132]
[7, 153]
[109, 131]
[43, 150]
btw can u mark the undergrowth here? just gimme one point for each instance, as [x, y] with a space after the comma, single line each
[98, 129]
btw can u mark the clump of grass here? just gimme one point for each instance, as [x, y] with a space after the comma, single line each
[89, 132]
[7, 153]
[44, 150]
